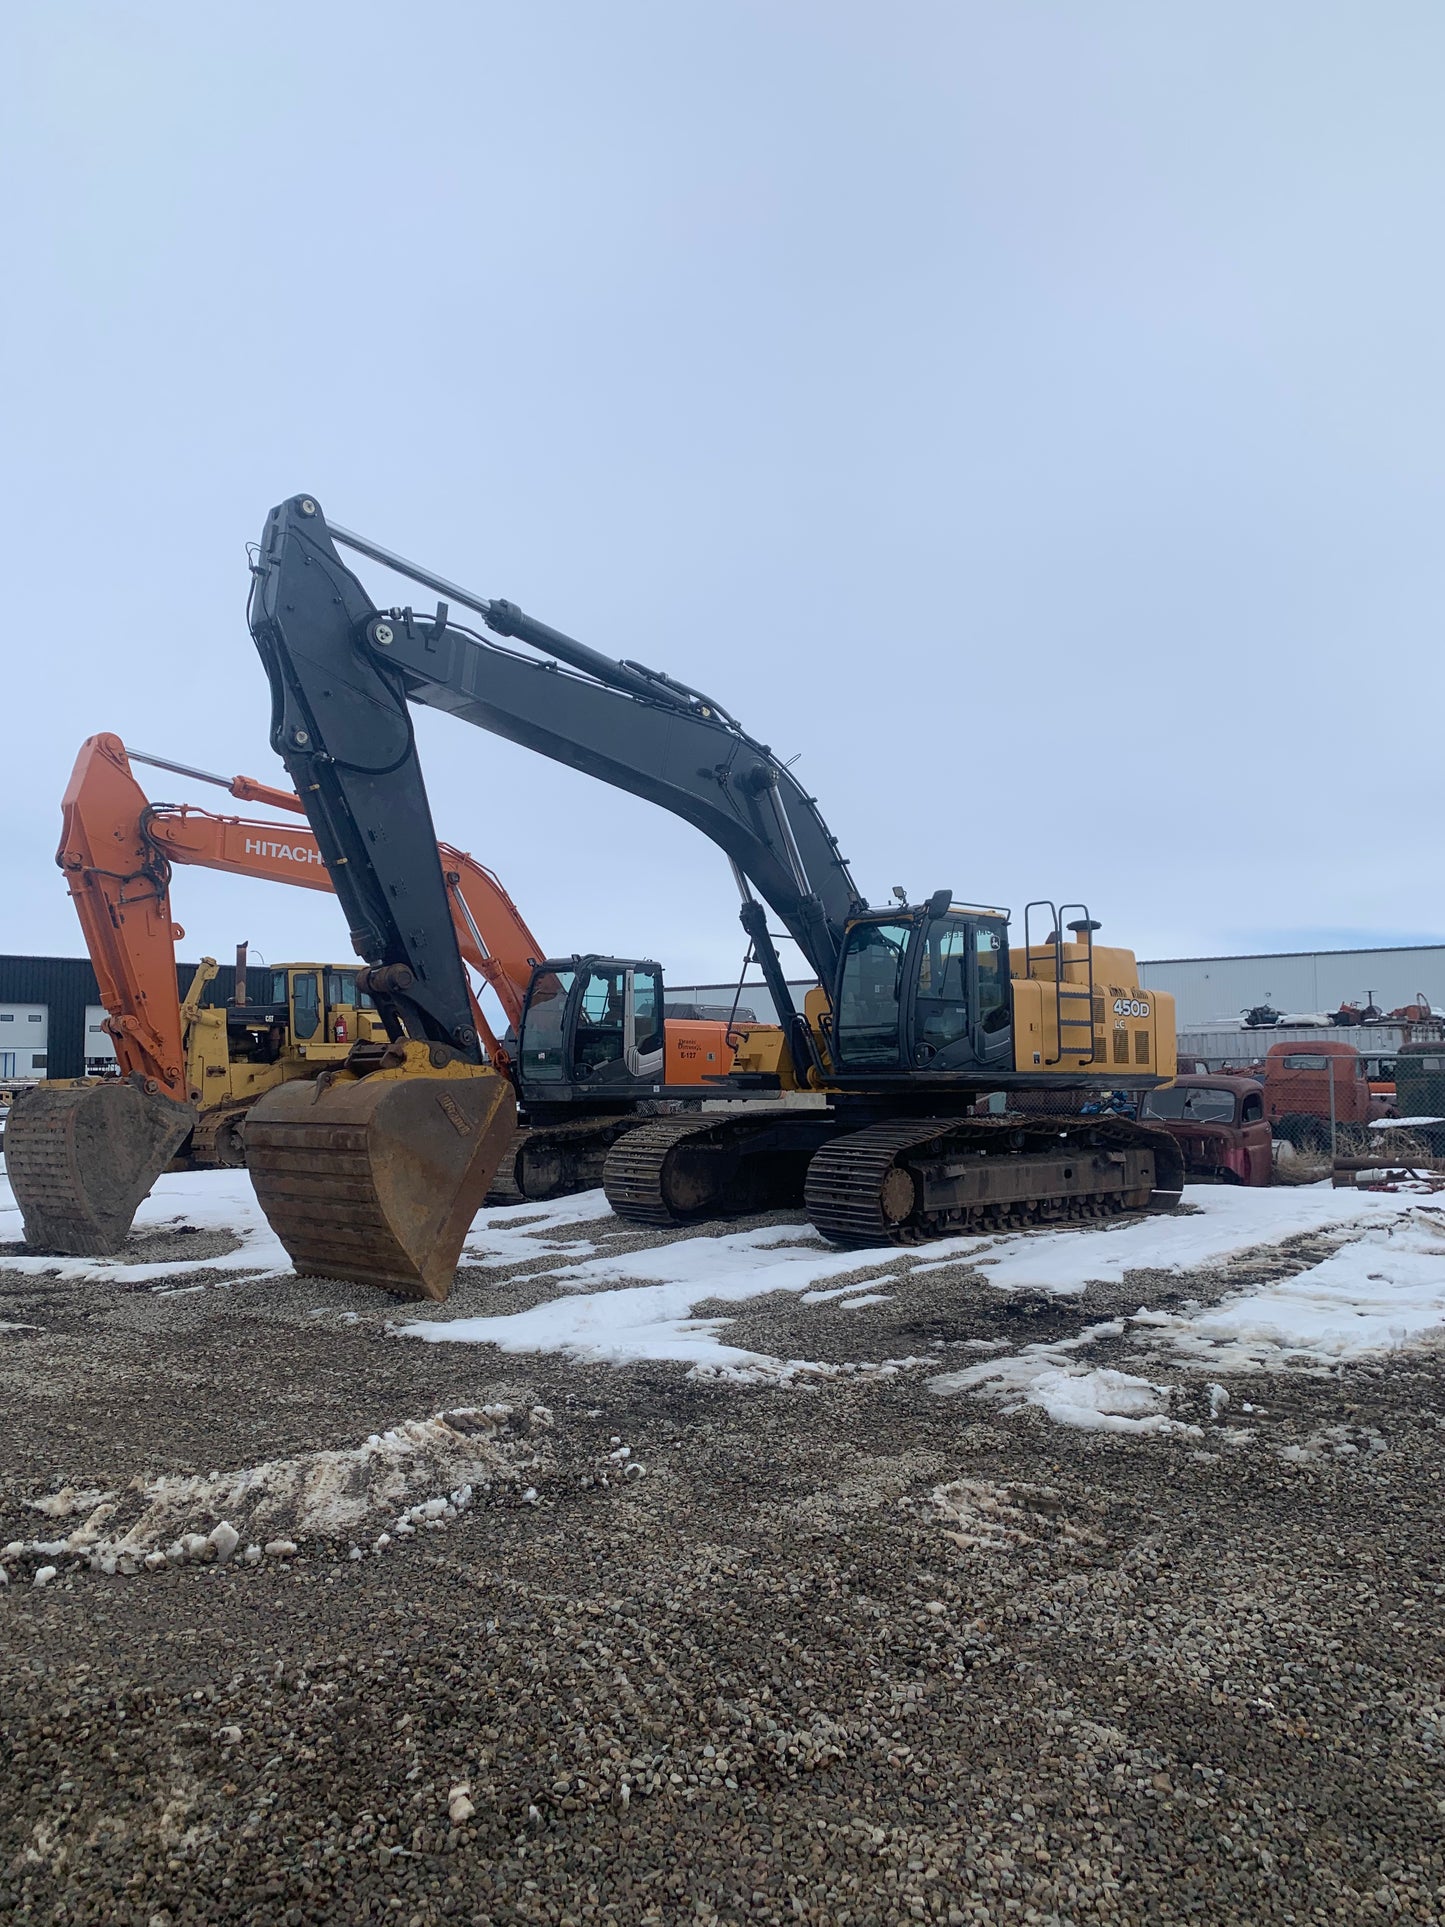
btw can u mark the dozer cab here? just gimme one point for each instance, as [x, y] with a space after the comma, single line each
[283, 1021]
[922, 1011]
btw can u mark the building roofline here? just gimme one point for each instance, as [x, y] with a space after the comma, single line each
[1271, 956]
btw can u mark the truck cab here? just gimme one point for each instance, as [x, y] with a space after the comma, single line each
[1308, 1085]
[1420, 1081]
[1220, 1125]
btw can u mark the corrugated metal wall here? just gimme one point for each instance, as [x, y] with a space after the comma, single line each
[1208, 989]
[65, 985]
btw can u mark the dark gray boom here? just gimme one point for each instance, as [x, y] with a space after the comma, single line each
[342, 674]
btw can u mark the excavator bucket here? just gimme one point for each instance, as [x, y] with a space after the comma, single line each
[80, 1157]
[377, 1179]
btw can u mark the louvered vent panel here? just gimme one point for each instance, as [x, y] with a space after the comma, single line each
[1141, 1047]
[1121, 1046]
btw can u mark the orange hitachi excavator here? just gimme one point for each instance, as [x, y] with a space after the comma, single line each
[82, 1153]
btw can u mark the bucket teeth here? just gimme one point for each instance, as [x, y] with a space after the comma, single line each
[376, 1180]
[80, 1157]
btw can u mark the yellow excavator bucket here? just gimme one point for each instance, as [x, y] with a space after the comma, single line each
[80, 1157]
[376, 1178]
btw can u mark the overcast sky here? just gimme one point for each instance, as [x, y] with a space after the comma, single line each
[1030, 415]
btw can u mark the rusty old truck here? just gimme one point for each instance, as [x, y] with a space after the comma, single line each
[1220, 1125]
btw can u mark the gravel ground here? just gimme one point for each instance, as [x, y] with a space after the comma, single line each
[843, 1651]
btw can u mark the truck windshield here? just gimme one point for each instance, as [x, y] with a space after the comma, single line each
[1191, 1104]
[544, 1027]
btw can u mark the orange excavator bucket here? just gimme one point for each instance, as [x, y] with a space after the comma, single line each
[81, 1156]
[376, 1178]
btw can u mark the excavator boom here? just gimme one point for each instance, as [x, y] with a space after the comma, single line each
[343, 673]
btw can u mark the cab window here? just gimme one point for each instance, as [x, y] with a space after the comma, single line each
[870, 987]
[993, 992]
[305, 1010]
[544, 1027]
[341, 986]
[1195, 1104]
[599, 1021]
[942, 1017]
[647, 1010]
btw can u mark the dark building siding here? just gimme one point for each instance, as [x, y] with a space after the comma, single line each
[65, 985]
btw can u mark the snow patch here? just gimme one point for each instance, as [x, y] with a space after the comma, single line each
[980, 1516]
[621, 1323]
[1381, 1292]
[1097, 1399]
[215, 1201]
[511, 1234]
[281, 1503]
[1227, 1220]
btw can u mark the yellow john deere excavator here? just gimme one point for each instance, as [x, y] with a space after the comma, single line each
[920, 1011]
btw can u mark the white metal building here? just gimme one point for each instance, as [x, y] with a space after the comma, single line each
[99, 1046]
[24, 1030]
[1208, 990]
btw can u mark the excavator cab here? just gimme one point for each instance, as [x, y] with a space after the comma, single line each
[923, 989]
[591, 1031]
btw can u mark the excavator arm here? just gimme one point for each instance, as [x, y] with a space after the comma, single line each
[342, 676]
[116, 852]
[81, 1156]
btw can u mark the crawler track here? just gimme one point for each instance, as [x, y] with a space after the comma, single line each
[872, 1186]
[637, 1176]
[504, 1187]
[899, 1182]
[553, 1160]
[681, 1170]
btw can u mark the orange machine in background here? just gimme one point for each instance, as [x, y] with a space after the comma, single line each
[82, 1153]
